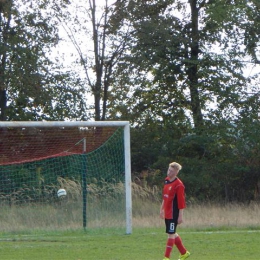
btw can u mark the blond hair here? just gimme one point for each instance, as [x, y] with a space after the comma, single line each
[175, 165]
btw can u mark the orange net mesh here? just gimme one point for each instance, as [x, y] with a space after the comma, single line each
[19, 145]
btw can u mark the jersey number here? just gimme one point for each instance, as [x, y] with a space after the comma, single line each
[172, 226]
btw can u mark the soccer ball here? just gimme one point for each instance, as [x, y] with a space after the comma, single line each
[61, 193]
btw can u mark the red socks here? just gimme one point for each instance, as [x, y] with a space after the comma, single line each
[174, 241]
[180, 246]
[169, 246]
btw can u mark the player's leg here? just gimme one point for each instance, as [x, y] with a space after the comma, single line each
[170, 230]
[183, 251]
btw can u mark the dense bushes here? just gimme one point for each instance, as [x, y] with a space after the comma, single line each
[220, 164]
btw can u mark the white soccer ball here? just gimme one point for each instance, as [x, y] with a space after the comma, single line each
[61, 193]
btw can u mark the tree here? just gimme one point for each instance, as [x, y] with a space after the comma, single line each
[191, 55]
[101, 48]
[32, 86]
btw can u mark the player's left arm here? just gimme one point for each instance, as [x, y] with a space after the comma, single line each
[180, 218]
[181, 203]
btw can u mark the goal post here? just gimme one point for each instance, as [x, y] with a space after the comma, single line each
[15, 151]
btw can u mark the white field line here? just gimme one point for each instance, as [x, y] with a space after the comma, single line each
[29, 237]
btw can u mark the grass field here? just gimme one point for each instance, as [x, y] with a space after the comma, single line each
[143, 244]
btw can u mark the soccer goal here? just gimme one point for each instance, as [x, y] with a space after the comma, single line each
[87, 162]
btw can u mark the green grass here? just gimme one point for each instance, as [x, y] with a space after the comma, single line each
[143, 244]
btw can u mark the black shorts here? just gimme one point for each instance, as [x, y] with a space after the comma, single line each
[171, 226]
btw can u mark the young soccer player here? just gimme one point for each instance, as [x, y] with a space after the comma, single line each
[171, 210]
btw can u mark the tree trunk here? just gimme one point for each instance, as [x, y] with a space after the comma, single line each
[193, 66]
[5, 33]
[3, 104]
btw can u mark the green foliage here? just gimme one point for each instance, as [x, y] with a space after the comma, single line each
[218, 165]
[33, 87]
[173, 69]
[152, 142]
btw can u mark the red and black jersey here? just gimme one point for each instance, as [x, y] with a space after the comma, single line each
[173, 197]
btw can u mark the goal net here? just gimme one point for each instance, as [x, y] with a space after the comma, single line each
[89, 160]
